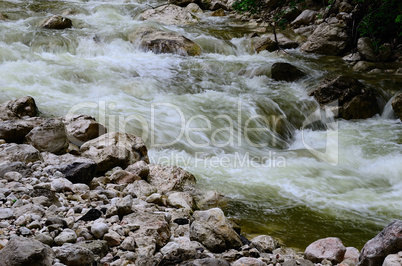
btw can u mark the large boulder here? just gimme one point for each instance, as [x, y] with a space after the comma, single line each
[263, 43]
[76, 169]
[212, 229]
[366, 49]
[397, 104]
[26, 251]
[393, 260]
[57, 23]
[19, 153]
[305, 18]
[388, 241]
[16, 130]
[159, 41]
[168, 178]
[74, 255]
[286, 72]
[330, 248]
[15, 109]
[354, 100]
[181, 249]
[114, 149]
[327, 39]
[50, 136]
[82, 128]
[170, 15]
[264, 243]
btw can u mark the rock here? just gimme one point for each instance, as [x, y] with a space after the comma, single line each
[218, 13]
[170, 15]
[385, 52]
[305, 18]
[99, 230]
[114, 149]
[366, 49]
[181, 200]
[297, 262]
[98, 247]
[128, 244]
[26, 251]
[393, 260]
[397, 104]
[74, 255]
[264, 243]
[388, 241]
[345, 7]
[286, 72]
[82, 128]
[49, 136]
[45, 238]
[75, 169]
[29, 209]
[6, 213]
[124, 206]
[139, 189]
[327, 39]
[67, 236]
[112, 238]
[19, 167]
[284, 42]
[180, 249]
[57, 23]
[363, 66]
[16, 130]
[3, 16]
[16, 109]
[91, 215]
[352, 254]
[353, 57]
[209, 199]
[207, 262]
[249, 262]
[306, 30]
[330, 248]
[168, 178]
[159, 41]
[354, 100]
[212, 229]
[124, 177]
[264, 43]
[19, 153]
[139, 168]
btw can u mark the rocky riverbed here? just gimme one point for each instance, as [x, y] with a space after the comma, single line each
[101, 203]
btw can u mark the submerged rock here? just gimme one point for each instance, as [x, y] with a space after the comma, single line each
[353, 99]
[26, 251]
[57, 22]
[388, 241]
[286, 72]
[159, 41]
[397, 105]
[330, 248]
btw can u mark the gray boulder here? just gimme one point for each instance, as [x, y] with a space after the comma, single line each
[158, 41]
[82, 128]
[114, 149]
[212, 229]
[305, 18]
[16, 130]
[49, 136]
[98, 247]
[264, 243]
[74, 255]
[388, 241]
[393, 260]
[330, 248]
[15, 109]
[19, 153]
[327, 39]
[366, 49]
[57, 23]
[26, 251]
[286, 72]
[168, 178]
[397, 104]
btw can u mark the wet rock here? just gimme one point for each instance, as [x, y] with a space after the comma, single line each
[388, 241]
[264, 43]
[248, 261]
[212, 229]
[159, 41]
[354, 100]
[168, 178]
[76, 169]
[170, 14]
[49, 136]
[139, 168]
[330, 248]
[305, 18]
[114, 149]
[91, 215]
[181, 249]
[363, 66]
[26, 251]
[393, 260]
[82, 128]
[366, 49]
[283, 41]
[99, 230]
[19, 153]
[327, 39]
[218, 13]
[57, 22]
[16, 130]
[286, 72]
[397, 105]
[264, 243]
[353, 57]
[74, 255]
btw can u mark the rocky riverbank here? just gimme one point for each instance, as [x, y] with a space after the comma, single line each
[72, 194]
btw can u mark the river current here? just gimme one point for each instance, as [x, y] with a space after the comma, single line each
[286, 171]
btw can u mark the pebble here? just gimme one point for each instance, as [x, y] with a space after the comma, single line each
[99, 230]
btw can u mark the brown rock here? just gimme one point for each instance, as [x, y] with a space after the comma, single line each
[19, 153]
[330, 248]
[262, 44]
[168, 178]
[82, 128]
[18, 108]
[286, 72]
[57, 22]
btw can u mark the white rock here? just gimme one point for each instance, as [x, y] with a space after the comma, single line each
[67, 236]
[99, 230]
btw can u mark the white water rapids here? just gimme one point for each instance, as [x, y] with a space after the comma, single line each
[218, 115]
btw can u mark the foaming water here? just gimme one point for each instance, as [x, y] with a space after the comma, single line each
[219, 115]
